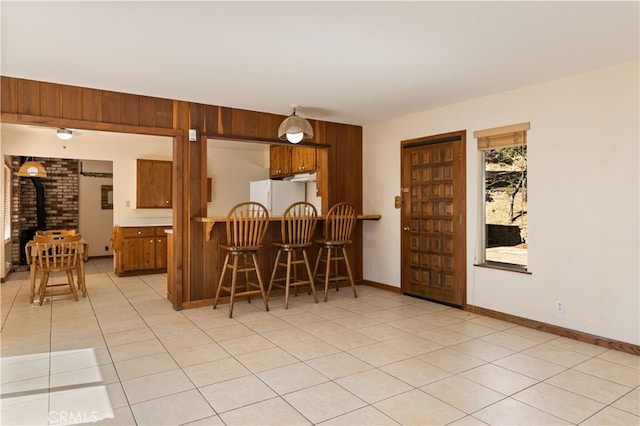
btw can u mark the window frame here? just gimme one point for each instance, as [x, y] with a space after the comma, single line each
[490, 139]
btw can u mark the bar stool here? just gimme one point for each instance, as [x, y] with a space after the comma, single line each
[338, 227]
[247, 224]
[297, 226]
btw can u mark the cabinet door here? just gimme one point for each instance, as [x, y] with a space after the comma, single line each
[279, 160]
[138, 254]
[303, 160]
[153, 190]
[161, 249]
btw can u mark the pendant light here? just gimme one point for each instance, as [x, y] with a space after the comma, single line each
[295, 128]
[32, 169]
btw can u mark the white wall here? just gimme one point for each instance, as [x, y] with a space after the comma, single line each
[231, 166]
[583, 162]
[94, 223]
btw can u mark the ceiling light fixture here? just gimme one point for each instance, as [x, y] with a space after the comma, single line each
[32, 169]
[64, 134]
[295, 128]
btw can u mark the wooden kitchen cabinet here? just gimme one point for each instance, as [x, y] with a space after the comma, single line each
[153, 184]
[279, 161]
[139, 249]
[303, 160]
[289, 160]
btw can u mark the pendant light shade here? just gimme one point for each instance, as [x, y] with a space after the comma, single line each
[32, 169]
[295, 128]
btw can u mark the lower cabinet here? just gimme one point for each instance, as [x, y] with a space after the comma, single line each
[139, 249]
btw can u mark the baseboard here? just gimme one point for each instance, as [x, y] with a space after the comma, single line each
[525, 322]
[557, 330]
[382, 286]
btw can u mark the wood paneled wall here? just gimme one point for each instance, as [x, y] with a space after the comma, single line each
[57, 105]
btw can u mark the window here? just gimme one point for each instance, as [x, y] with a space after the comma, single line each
[504, 235]
[7, 203]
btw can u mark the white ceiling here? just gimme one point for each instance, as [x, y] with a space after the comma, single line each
[350, 62]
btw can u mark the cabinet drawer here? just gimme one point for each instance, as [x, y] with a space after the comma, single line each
[142, 231]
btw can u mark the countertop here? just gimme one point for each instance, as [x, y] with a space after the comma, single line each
[210, 221]
[145, 221]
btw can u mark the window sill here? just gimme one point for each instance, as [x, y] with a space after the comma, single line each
[504, 267]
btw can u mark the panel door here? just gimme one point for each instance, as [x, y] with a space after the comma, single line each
[433, 219]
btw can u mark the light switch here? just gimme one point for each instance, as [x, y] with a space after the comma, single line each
[192, 135]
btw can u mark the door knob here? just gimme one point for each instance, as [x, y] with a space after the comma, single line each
[406, 228]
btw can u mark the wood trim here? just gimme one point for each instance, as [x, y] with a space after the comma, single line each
[381, 286]
[37, 120]
[557, 330]
[503, 130]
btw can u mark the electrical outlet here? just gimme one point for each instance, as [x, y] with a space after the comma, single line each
[106, 248]
[560, 306]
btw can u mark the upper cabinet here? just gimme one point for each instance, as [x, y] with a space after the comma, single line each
[290, 160]
[153, 189]
[279, 160]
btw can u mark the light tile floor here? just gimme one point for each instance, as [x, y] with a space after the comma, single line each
[124, 356]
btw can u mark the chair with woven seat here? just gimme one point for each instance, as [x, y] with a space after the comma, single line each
[296, 228]
[247, 224]
[338, 227]
[56, 254]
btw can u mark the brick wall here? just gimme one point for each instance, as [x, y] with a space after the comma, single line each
[60, 193]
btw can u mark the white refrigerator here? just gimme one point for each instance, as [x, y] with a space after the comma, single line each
[277, 195]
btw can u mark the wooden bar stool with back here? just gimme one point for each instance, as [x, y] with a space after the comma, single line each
[338, 227]
[247, 224]
[297, 227]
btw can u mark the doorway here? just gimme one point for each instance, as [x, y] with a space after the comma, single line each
[434, 218]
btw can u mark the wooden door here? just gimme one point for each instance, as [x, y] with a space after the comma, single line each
[434, 217]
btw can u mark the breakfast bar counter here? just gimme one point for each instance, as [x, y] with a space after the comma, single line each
[205, 276]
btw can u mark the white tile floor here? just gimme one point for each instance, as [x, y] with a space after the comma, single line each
[123, 356]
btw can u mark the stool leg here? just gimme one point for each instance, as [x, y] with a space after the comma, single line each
[346, 260]
[327, 272]
[234, 277]
[264, 296]
[224, 269]
[246, 276]
[315, 268]
[273, 274]
[306, 264]
[287, 280]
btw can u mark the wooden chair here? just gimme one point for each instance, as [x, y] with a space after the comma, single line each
[338, 227]
[297, 226]
[61, 233]
[247, 224]
[56, 254]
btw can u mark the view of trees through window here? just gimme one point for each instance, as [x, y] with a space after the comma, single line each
[506, 205]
